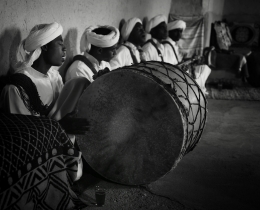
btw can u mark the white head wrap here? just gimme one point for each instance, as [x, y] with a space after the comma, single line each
[176, 24]
[154, 22]
[98, 40]
[128, 27]
[30, 48]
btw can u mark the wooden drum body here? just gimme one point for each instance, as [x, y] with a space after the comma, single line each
[140, 126]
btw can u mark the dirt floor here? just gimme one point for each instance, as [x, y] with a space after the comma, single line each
[120, 197]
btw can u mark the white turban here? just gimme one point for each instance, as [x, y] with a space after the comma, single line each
[128, 27]
[154, 22]
[176, 24]
[99, 40]
[30, 48]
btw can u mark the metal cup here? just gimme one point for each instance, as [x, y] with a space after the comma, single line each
[100, 195]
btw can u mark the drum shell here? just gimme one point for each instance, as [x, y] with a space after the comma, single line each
[125, 144]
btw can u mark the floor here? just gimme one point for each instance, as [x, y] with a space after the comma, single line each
[222, 172]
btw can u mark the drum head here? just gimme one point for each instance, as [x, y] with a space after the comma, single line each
[137, 127]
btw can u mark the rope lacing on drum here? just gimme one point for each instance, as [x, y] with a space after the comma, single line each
[194, 134]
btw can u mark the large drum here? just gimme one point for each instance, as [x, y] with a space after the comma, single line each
[144, 118]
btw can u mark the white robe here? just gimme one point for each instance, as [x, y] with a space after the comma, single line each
[48, 87]
[201, 71]
[80, 69]
[150, 51]
[169, 55]
[123, 56]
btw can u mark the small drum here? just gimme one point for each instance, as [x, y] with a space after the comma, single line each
[144, 118]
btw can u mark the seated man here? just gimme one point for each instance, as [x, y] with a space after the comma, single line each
[133, 36]
[173, 55]
[35, 86]
[99, 44]
[43, 48]
[153, 48]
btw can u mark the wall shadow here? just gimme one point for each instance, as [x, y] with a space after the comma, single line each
[10, 40]
[121, 23]
[70, 42]
[145, 22]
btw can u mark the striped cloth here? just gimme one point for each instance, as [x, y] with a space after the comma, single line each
[192, 41]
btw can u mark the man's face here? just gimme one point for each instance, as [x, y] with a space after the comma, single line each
[160, 31]
[176, 34]
[55, 52]
[108, 53]
[137, 35]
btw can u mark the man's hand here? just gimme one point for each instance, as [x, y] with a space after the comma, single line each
[100, 73]
[72, 125]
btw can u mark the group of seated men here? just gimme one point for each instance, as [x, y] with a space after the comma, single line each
[44, 48]
[161, 47]
[35, 85]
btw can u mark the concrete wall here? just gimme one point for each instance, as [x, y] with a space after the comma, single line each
[19, 16]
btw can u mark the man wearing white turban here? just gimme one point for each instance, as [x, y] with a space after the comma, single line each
[153, 48]
[42, 49]
[130, 51]
[98, 46]
[35, 86]
[173, 55]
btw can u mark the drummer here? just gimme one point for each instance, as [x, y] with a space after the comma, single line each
[173, 54]
[130, 52]
[42, 49]
[153, 48]
[34, 85]
[99, 44]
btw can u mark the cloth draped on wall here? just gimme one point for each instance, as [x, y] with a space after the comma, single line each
[38, 164]
[192, 41]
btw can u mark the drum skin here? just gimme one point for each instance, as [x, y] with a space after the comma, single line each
[138, 127]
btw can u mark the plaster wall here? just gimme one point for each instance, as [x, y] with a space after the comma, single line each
[17, 17]
[187, 7]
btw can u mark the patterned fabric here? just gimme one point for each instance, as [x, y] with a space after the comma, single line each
[224, 38]
[192, 41]
[38, 164]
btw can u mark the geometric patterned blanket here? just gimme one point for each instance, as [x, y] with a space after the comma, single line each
[38, 164]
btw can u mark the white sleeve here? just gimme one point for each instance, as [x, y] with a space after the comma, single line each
[79, 69]
[149, 52]
[122, 58]
[11, 101]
